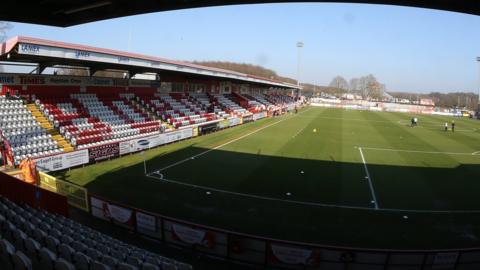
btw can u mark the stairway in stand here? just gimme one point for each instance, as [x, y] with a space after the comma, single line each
[67, 147]
[151, 114]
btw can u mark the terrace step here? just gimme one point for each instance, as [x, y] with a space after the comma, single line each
[67, 147]
[39, 116]
[144, 108]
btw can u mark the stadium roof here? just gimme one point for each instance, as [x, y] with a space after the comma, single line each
[73, 12]
[48, 53]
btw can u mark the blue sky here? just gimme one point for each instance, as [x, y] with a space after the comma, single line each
[408, 49]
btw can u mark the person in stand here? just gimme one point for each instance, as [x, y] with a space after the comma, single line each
[453, 125]
[29, 170]
[446, 126]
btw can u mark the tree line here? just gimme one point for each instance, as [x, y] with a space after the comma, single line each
[467, 100]
[247, 69]
[367, 86]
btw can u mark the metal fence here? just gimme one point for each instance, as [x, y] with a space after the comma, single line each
[77, 196]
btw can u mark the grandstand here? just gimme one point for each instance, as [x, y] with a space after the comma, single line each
[35, 239]
[66, 121]
[60, 114]
[229, 188]
[22, 133]
[82, 120]
[297, 195]
[84, 132]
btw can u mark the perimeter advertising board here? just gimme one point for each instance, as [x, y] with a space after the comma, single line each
[108, 211]
[223, 124]
[62, 161]
[102, 152]
[143, 143]
[139, 144]
[259, 115]
[248, 118]
[235, 121]
[294, 255]
[192, 236]
[177, 135]
[146, 223]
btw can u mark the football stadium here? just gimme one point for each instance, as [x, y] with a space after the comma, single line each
[178, 165]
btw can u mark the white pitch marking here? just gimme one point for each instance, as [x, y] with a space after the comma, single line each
[398, 210]
[227, 143]
[475, 153]
[372, 191]
[160, 175]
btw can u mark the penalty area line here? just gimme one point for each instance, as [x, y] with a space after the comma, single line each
[339, 206]
[163, 180]
[370, 184]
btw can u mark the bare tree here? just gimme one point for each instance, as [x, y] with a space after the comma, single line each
[339, 82]
[4, 27]
[362, 86]
[368, 86]
[354, 84]
[374, 89]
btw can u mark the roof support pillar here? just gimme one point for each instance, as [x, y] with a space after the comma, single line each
[39, 69]
[92, 71]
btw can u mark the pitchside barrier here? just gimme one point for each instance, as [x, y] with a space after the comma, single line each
[21, 192]
[274, 253]
[77, 196]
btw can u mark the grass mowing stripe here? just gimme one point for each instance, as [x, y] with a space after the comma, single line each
[465, 135]
[227, 143]
[340, 206]
[419, 151]
[438, 192]
[152, 175]
[391, 193]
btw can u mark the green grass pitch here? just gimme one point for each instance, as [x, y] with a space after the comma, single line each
[302, 177]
